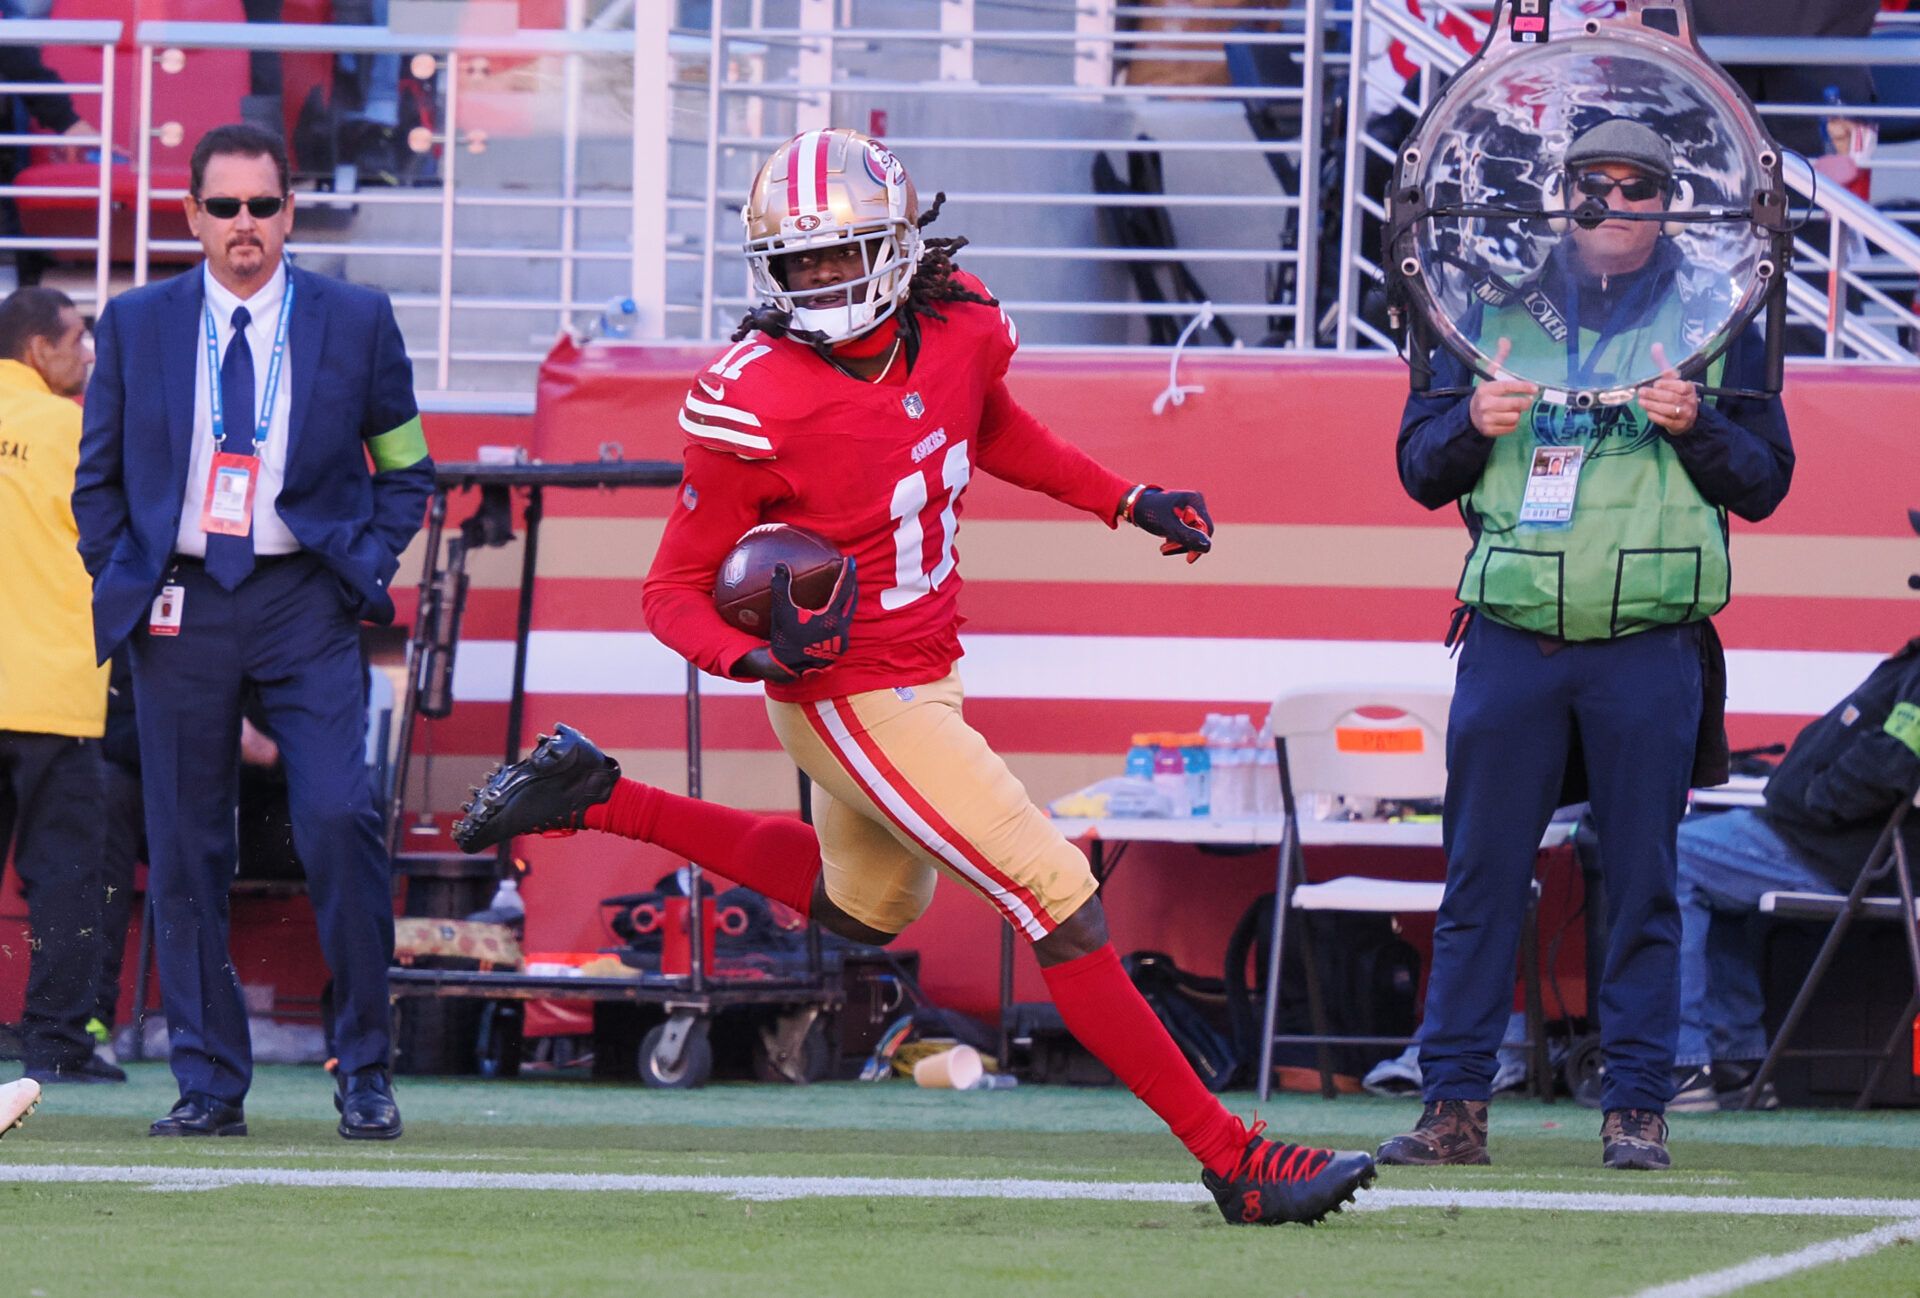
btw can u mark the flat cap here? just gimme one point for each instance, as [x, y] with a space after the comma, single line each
[1619, 140]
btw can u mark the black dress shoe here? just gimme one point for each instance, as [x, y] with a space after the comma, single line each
[367, 1107]
[201, 1115]
[90, 1069]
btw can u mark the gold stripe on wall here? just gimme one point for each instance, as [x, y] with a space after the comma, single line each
[1249, 554]
[749, 778]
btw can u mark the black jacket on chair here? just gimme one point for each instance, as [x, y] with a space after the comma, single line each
[1847, 771]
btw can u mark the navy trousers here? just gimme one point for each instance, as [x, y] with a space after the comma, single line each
[1633, 706]
[50, 798]
[291, 633]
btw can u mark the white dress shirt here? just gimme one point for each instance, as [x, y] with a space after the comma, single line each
[270, 534]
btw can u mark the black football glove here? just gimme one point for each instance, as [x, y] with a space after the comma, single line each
[1180, 518]
[805, 640]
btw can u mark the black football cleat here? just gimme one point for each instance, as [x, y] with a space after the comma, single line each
[546, 792]
[1276, 1182]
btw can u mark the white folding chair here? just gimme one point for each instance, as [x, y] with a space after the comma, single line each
[1361, 741]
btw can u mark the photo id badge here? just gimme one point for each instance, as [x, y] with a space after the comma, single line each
[1552, 483]
[229, 505]
[167, 608]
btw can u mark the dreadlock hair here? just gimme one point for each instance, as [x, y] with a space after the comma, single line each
[932, 283]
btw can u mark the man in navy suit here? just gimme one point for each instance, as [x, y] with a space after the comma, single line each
[252, 466]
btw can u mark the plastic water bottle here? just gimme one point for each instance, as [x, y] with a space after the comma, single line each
[1225, 784]
[1140, 758]
[1266, 770]
[1193, 755]
[507, 902]
[1233, 782]
[621, 319]
[1170, 774]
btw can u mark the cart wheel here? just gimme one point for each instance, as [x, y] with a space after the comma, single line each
[498, 1047]
[1584, 1070]
[676, 1055]
[779, 1055]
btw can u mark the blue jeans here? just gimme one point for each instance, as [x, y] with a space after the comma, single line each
[1726, 862]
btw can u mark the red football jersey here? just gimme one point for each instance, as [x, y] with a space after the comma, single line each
[776, 434]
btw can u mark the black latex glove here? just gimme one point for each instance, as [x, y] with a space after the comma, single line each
[804, 640]
[1180, 518]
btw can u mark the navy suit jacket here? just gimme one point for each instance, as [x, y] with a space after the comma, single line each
[352, 385]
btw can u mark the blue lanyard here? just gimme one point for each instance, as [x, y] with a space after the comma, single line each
[265, 423]
[1625, 311]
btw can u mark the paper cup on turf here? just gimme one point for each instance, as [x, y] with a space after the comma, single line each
[959, 1068]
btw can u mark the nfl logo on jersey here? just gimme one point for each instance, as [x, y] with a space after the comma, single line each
[914, 406]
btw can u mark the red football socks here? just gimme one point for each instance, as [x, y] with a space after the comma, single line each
[780, 859]
[1106, 1014]
[776, 857]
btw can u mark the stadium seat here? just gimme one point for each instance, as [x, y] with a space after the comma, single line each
[1374, 743]
[1887, 863]
[1151, 227]
[205, 94]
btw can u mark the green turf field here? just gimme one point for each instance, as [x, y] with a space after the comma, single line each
[533, 1188]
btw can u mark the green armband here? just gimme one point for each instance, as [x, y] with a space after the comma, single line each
[398, 448]
[1903, 723]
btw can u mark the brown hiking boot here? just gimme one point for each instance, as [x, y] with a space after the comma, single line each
[1449, 1131]
[1635, 1140]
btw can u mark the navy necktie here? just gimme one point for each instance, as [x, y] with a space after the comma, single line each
[230, 558]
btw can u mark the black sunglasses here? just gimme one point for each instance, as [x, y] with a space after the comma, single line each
[225, 209]
[1598, 184]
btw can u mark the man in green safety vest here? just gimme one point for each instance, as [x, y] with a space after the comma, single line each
[1599, 533]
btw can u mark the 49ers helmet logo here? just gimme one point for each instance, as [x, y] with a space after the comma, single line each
[882, 166]
[806, 223]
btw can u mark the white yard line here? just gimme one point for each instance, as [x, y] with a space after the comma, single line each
[1762, 1269]
[1575, 1201]
[768, 1188]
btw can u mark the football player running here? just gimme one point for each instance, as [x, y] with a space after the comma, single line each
[858, 401]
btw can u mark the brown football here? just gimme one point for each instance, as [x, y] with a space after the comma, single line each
[743, 588]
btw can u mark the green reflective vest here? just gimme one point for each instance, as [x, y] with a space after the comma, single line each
[1643, 548]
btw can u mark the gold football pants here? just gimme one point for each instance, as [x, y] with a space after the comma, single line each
[904, 787]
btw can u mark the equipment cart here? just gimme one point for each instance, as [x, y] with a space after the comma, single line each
[675, 1053]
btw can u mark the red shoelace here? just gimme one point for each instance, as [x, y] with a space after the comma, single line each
[1267, 1160]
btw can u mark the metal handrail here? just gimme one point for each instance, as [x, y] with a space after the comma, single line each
[306, 38]
[1852, 51]
[1846, 329]
[572, 45]
[1842, 211]
[757, 78]
[60, 31]
[104, 34]
[1002, 39]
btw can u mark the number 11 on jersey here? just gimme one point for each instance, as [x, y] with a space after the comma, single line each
[911, 495]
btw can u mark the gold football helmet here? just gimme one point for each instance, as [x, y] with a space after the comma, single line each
[825, 187]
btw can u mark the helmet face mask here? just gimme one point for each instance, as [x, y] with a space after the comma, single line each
[819, 190]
